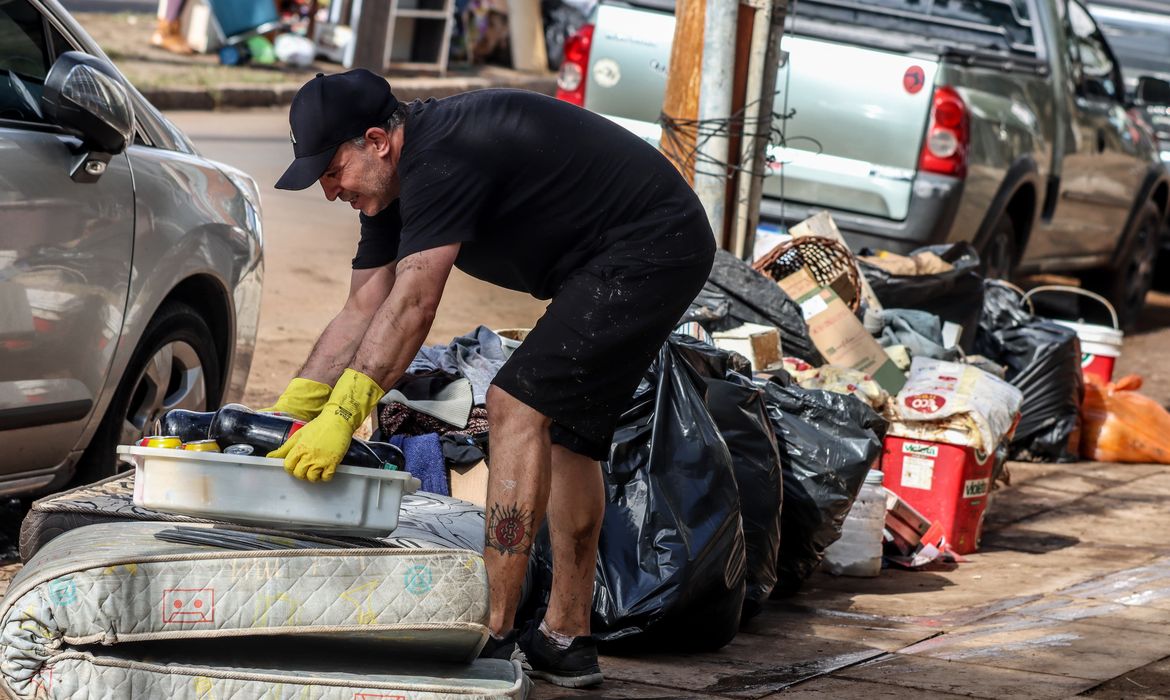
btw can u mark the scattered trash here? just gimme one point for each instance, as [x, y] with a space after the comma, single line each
[840, 380]
[859, 550]
[759, 344]
[913, 540]
[753, 298]
[940, 455]
[741, 415]
[295, 50]
[837, 333]
[671, 559]
[828, 442]
[983, 407]
[1100, 345]
[1121, 425]
[943, 280]
[1043, 361]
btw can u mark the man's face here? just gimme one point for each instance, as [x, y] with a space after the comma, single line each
[361, 176]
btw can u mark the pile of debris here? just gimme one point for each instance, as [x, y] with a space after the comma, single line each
[813, 409]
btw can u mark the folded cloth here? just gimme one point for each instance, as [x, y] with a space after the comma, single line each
[400, 419]
[437, 395]
[424, 460]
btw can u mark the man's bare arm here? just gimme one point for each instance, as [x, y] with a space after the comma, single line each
[401, 325]
[334, 350]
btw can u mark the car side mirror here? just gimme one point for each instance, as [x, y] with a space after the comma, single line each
[84, 96]
[1153, 91]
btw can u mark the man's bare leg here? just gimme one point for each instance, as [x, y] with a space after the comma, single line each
[518, 490]
[576, 506]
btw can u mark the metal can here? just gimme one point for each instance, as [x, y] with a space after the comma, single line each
[165, 441]
[202, 446]
[242, 449]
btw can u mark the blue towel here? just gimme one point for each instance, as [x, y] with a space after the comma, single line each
[424, 460]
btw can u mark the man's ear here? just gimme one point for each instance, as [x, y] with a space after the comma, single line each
[378, 139]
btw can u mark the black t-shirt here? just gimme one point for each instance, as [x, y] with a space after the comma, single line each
[531, 186]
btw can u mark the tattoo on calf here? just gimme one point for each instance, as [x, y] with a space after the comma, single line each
[509, 530]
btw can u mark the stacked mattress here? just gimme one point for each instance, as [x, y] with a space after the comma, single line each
[123, 602]
[426, 520]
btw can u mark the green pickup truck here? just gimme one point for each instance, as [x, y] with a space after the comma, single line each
[999, 122]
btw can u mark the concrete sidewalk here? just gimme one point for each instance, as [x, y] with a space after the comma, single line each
[1070, 596]
[171, 81]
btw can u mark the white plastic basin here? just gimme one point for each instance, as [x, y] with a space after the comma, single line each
[257, 491]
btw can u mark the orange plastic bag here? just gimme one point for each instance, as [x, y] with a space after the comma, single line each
[1121, 425]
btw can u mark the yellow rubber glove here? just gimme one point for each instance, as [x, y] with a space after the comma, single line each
[314, 451]
[302, 399]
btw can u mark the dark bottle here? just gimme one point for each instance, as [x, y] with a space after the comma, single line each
[189, 426]
[235, 425]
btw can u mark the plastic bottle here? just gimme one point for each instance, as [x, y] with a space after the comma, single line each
[189, 426]
[264, 432]
[859, 550]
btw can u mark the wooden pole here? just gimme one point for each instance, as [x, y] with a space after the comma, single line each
[682, 84]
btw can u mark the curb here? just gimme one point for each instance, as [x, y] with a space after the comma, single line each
[279, 95]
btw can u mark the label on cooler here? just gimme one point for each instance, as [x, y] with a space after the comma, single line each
[974, 488]
[920, 448]
[917, 472]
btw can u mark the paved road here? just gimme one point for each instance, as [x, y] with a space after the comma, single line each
[309, 243]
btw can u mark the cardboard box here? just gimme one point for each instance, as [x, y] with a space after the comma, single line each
[759, 344]
[838, 334]
[470, 483]
[823, 226]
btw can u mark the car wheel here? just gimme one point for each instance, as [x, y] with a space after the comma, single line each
[174, 366]
[1126, 284]
[997, 258]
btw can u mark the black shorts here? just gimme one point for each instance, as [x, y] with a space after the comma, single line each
[586, 355]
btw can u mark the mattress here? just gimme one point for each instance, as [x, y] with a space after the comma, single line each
[425, 520]
[119, 610]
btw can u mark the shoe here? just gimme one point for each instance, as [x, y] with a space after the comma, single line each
[574, 667]
[505, 648]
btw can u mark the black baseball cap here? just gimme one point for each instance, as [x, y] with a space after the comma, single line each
[328, 111]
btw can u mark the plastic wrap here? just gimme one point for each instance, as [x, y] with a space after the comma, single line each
[1043, 360]
[753, 298]
[1121, 425]
[671, 559]
[955, 295]
[827, 442]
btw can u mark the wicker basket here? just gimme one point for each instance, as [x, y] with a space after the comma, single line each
[830, 263]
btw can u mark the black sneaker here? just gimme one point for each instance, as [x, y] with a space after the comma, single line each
[504, 648]
[575, 667]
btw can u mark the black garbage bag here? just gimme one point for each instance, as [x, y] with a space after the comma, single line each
[955, 296]
[737, 406]
[827, 442]
[754, 298]
[742, 418]
[670, 570]
[711, 310]
[1043, 361]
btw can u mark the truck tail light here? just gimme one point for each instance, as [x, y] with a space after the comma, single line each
[571, 79]
[945, 149]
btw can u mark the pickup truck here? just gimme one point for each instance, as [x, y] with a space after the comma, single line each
[998, 122]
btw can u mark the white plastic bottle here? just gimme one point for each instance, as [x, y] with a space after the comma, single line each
[859, 550]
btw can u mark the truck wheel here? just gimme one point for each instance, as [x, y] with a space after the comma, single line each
[1126, 284]
[997, 258]
[174, 366]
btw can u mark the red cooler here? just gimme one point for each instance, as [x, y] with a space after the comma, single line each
[948, 483]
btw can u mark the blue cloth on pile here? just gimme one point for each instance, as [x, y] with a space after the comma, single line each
[424, 460]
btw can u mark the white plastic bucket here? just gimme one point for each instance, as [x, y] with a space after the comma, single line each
[1100, 345]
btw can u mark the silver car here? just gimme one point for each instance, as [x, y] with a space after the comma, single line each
[130, 267]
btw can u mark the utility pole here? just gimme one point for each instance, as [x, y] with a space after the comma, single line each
[682, 84]
[718, 72]
[762, 68]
